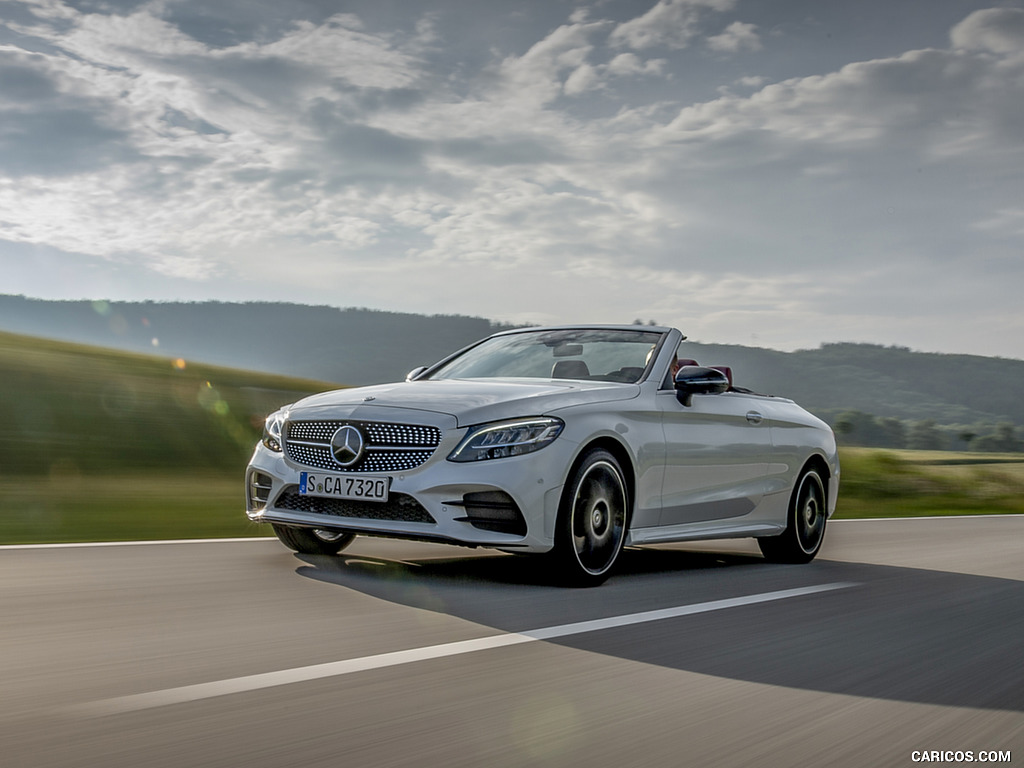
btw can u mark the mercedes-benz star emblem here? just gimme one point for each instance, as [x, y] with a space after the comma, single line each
[347, 445]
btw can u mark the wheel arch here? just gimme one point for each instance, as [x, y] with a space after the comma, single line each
[621, 454]
[820, 464]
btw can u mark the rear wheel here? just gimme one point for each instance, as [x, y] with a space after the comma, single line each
[805, 527]
[591, 527]
[313, 541]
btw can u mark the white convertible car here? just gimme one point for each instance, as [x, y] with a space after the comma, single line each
[571, 441]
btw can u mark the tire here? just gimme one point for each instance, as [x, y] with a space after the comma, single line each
[592, 521]
[310, 541]
[805, 525]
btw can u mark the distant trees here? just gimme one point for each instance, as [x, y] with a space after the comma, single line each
[1003, 441]
[925, 436]
[966, 437]
[864, 429]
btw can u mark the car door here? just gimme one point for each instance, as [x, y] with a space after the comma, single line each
[716, 457]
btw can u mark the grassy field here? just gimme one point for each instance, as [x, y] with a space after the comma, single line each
[98, 445]
[68, 507]
[882, 483]
[72, 508]
[68, 408]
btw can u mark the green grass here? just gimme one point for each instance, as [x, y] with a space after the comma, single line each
[69, 409]
[886, 483]
[98, 445]
[144, 506]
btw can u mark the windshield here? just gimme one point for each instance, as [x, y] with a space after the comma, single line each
[587, 354]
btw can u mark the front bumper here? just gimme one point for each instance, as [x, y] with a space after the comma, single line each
[509, 503]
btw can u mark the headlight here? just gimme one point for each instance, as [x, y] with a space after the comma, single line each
[272, 431]
[506, 438]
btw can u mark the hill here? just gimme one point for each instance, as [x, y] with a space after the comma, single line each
[354, 346]
[68, 409]
[104, 445]
[886, 381]
[873, 395]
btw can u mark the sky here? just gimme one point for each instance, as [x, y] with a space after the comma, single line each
[774, 173]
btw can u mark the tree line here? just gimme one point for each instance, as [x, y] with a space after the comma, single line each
[865, 429]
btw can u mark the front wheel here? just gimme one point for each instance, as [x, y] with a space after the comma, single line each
[805, 526]
[591, 527]
[312, 541]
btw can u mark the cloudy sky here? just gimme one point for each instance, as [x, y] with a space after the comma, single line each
[776, 173]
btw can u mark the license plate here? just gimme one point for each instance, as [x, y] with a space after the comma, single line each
[344, 486]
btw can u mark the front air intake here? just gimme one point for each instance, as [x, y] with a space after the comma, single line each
[257, 491]
[492, 511]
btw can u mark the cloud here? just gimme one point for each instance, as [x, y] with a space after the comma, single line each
[670, 23]
[46, 127]
[195, 124]
[337, 49]
[535, 78]
[934, 103]
[752, 81]
[588, 77]
[627, 64]
[736, 37]
[999, 30]
[1008, 222]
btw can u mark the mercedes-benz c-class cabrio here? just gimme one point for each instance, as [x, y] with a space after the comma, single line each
[570, 441]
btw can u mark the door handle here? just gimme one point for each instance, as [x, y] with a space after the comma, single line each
[754, 417]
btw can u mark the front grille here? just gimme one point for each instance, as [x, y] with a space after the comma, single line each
[388, 448]
[399, 507]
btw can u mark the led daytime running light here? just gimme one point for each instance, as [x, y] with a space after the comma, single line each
[512, 438]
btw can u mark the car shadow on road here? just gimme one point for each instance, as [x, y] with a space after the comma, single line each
[900, 633]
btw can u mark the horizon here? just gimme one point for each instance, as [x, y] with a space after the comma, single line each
[495, 322]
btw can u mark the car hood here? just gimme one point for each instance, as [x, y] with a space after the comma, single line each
[468, 401]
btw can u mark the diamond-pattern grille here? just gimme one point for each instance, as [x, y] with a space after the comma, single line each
[400, 507]
[389, 447]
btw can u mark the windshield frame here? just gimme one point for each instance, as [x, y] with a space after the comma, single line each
[556, 335]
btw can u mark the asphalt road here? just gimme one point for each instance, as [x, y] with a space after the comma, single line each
[903, 636]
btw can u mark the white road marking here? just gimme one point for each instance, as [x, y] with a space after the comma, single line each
[210, 690]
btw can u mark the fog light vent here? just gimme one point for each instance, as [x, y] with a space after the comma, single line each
[258, 491]
[492, 511]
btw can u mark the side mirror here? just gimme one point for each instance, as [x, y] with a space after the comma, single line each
[697, 380]
[415, 372]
